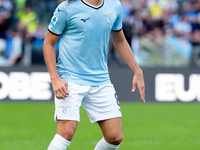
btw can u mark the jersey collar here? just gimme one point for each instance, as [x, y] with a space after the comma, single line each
[95, 7]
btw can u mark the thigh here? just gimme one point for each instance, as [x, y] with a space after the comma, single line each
[101, 103]
[68, 108]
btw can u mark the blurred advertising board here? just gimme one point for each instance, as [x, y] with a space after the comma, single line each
[162, 85]
[25, 83]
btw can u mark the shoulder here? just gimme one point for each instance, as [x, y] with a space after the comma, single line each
[115, 3]
[62, 8]
[65, 5]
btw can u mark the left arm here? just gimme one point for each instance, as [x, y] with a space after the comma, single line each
[125, 52]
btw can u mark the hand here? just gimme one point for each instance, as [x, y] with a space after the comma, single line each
[60, 87]
[138, 81]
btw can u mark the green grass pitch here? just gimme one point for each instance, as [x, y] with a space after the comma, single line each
[146, 126]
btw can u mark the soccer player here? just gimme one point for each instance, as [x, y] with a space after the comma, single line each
[80, 77]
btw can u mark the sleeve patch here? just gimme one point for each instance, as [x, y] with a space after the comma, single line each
[53, 21]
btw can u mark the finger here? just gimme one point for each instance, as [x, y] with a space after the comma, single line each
[133, 88]
[58, 96]
[143, 100]
[61, 96]
[64, 92]
[66, 87]
[142, 93]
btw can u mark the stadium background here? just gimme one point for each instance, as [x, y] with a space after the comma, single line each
[165, 38]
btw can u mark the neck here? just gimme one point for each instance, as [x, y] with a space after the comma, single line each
[94, 2]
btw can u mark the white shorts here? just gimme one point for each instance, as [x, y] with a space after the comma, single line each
[100, 103]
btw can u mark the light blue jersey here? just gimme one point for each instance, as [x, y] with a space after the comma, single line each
[84, 32]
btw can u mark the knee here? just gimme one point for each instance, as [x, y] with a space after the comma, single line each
[66, 131]
[115, 140]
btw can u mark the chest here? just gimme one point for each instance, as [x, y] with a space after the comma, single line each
[91, 20]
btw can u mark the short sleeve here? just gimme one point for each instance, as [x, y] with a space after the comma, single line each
[58, 20]
[118, 22]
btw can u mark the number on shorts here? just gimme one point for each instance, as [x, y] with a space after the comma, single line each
[117, 100]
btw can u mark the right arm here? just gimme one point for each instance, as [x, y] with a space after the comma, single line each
[59, 85]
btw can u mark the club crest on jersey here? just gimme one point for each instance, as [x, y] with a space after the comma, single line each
[108, 17]
[53, 21]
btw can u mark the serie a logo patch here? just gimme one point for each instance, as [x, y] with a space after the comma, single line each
[53, 21]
